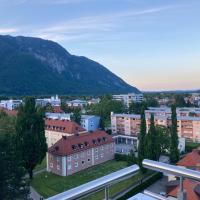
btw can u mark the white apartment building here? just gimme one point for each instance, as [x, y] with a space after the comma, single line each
[53, 101]
[127, 99]
[90, 122]
[10, 104]
[60, 116]
[76, 103]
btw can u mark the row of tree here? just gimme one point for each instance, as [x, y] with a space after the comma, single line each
[22, 147]
[159, 140]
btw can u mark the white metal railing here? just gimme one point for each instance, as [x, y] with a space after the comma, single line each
[108, 180]
[98, 184]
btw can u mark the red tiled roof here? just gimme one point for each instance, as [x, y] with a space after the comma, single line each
[9, 112]
[77, 143]
[64, 126]
[189, 186]
[191, 159]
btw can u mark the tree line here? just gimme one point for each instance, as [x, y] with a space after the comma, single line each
[159, 140]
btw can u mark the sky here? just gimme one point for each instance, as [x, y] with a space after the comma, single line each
[151, 44]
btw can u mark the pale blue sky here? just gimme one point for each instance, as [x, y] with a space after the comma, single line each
[151, 44]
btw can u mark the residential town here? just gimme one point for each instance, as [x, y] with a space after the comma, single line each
[75, 144]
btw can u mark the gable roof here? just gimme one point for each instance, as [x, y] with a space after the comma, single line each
[73, 144]
[191, 159]
[64, 126]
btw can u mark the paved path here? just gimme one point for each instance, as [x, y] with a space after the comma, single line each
[33, 193]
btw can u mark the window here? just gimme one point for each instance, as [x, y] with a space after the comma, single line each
[58, 167]
[96, 149]
[101, 155]
[51, 165]
[88, 160]
[76, 164]
[96, 157]
[69, 158]
[101, 147]
[82, 154]
[88, 152]
[69, 167]
[76, 156]
[83, 162]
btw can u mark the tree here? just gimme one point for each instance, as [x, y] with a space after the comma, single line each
[163, 138]
[30, 136]
[179, 101]
[13, 184]
[105, 107]
[151, 143]
[76, 116]
[174, 152]
[142, 134]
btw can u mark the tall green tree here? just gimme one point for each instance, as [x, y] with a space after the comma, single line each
[151, 143]
[13, 184]
[174, 152]
[142, 134]
[30, 136]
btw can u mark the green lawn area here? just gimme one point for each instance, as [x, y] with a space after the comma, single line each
[40, 166]
[48, 184]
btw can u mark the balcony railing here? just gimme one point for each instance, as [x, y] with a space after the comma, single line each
[106, 181]
[97, 185]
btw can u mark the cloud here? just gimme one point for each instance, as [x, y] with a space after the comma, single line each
[84, 27]
[8, 30]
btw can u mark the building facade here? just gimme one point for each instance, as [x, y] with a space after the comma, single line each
[76, 153]
[56, 128]
[53, 101]
[76, 103]
[90, 122]
[10, 104]
[127, 99]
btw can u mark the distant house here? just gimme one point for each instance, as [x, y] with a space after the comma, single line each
[10, 104]
[90, 122]
[93, 101]
[53, 101]
[61, 116]
[56, 128]
[127, 99]
[76, 103]
[75, 153]
[9, 112]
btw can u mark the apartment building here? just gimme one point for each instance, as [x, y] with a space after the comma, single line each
[127, 99]
[56, 128]
[75, 153]
[61, 116]
[189, 128]
[76, 103]
[90, 122]
[166, 111]
[10, 104]
[53, 101]
[93, 101]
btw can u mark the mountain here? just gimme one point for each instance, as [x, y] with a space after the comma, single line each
[33, 66]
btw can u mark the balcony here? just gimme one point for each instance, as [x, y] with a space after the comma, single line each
[106, 181]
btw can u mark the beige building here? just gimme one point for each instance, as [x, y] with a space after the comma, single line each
[56, 128]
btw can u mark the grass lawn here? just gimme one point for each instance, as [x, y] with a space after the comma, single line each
[48, 184]
[41, 166]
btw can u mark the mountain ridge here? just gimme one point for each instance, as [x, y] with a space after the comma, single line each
[34, 66]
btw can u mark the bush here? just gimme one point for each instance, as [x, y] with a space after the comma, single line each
[190, 146]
